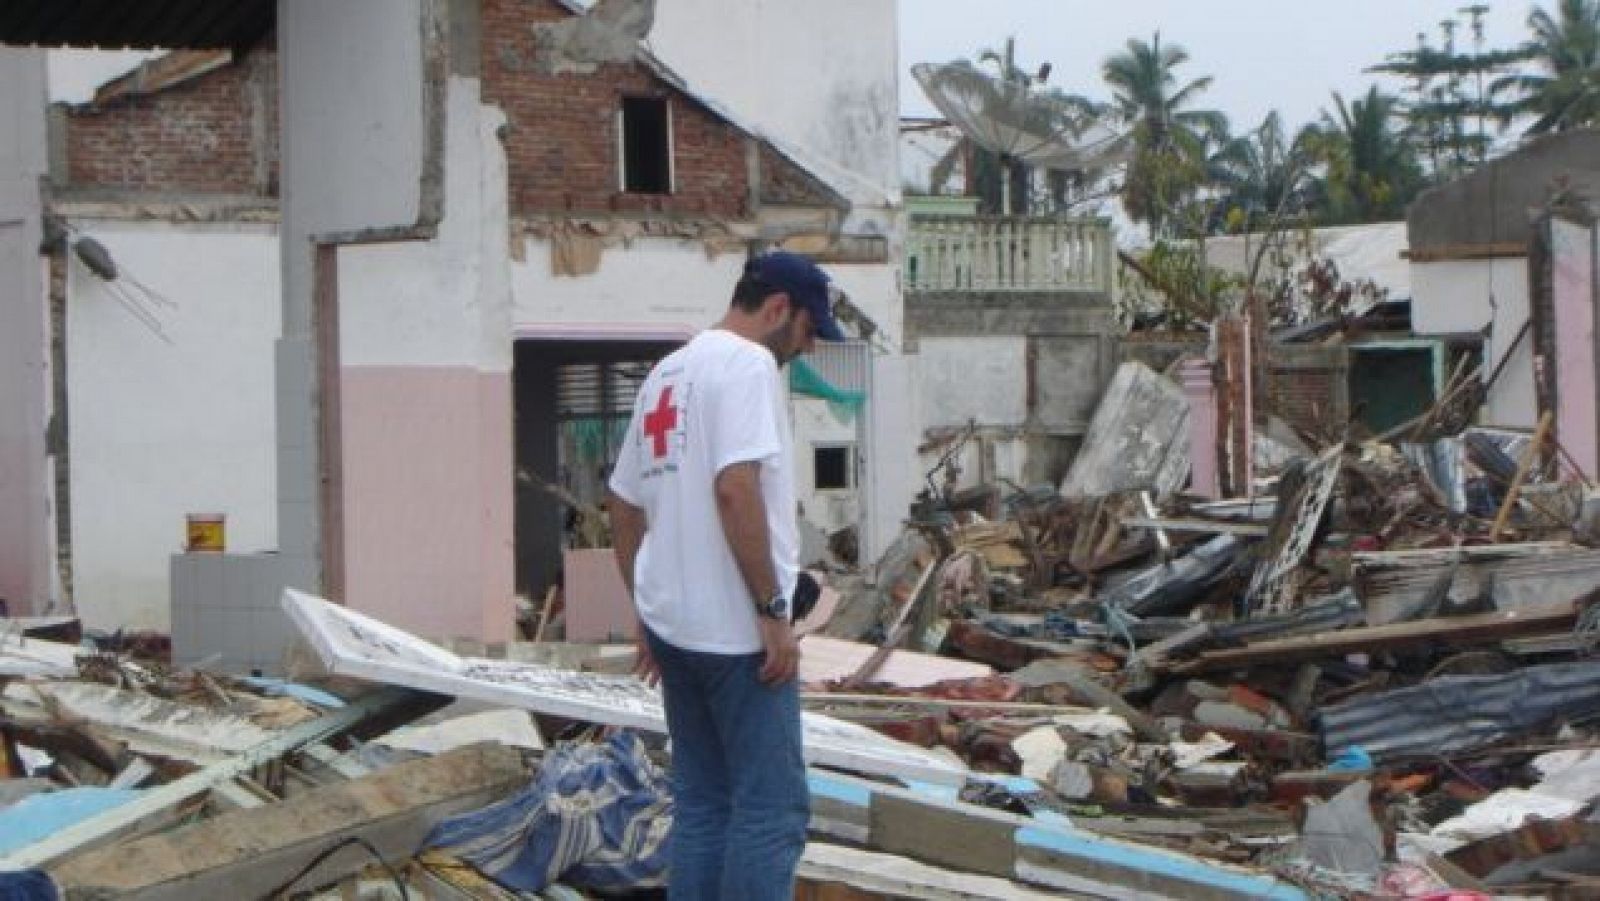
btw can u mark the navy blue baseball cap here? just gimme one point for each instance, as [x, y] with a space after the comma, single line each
[804, 282]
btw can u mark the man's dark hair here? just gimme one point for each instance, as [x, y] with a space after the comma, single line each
[751, 291]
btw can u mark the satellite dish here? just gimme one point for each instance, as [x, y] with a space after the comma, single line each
[1044, 129]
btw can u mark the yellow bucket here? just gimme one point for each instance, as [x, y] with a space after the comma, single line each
[208, 533]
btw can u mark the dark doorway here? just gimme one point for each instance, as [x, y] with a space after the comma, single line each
[572, 400]
[1390, 385]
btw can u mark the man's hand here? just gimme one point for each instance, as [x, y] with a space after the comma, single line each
[782, 650]
[644, 663]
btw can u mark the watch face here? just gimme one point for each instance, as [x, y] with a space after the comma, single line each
[778, 608]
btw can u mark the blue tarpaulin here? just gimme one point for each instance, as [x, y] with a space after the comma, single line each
[596, 817]
[41, 816]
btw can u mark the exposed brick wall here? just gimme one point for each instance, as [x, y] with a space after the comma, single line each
[1309, 399]
[562, 130]
[216, 133]
[783, 182]
[202, 136]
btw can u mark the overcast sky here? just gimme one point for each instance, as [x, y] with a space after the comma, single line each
[1263, 54]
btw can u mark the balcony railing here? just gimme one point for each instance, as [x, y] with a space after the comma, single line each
[1007, 254]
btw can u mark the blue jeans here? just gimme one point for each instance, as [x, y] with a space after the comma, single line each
[738, 777]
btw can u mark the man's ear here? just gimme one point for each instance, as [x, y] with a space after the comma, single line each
[777, 306]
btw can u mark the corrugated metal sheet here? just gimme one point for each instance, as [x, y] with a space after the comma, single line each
[846, 365]
[143, 24]
[1536, 574]
[1463, 713]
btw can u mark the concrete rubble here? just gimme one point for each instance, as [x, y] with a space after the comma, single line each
[1371, 677]
[1138, 694]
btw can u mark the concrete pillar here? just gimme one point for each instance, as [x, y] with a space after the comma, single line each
[25, 582]
[1572, 294]
[1198, 388]
[1236, 403]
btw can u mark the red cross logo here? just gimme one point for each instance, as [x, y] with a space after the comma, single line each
[660, 422]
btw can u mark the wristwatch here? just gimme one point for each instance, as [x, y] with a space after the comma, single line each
[776, 608]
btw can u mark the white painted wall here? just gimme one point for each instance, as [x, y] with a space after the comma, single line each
[353, 127]
[819, 76]
[160, 430]
[447, 301]
[1464, 296]
[25, 524]
[966, 379]
[664, 283]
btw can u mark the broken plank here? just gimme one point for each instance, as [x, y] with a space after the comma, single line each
[1084, 686]
[121, 820]
[1529, 455]
[824, 659]
[1477, 628]
[144, 716]
[33, 657]
[1048, 851]
[896, 633]
[351, 644]
[846, 699]
[877, 875]
[249, 853]
[1190, 524]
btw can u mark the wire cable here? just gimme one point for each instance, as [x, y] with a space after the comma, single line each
[331, 850]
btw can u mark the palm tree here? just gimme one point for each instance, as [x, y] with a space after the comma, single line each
[1371, 171]
[1264, 176]
[1169, 138]
[1564, 90]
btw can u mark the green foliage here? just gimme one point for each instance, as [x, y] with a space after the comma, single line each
[1450, 114]
[1562, 91]
[1370, 172]
[1264, 177]
[1170, 138]
[1171, 282]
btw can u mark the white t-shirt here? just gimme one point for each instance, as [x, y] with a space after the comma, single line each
[714, 402]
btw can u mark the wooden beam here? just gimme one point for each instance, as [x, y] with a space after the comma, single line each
[1477, 628]
[119, 821]
[249, 853]
[1529, 456]
[896, 634]
[1450, 253]
[1192, 524]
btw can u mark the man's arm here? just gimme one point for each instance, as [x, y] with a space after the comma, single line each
[628, 525]
[744, 523]
[627, 532]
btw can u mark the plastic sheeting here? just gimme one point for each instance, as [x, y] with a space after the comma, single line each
[596, 816]
[1463, 713]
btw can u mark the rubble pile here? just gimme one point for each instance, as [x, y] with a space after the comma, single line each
[1374, 678]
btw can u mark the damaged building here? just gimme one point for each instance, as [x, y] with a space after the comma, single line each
[1295, 606]
[631, 199]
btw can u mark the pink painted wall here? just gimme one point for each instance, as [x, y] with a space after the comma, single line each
[1572, 249]
[427, 462]
[1201, 392]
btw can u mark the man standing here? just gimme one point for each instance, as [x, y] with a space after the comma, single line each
[703, 520]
